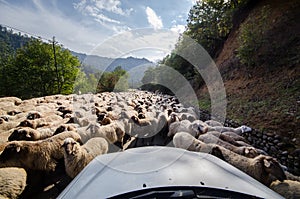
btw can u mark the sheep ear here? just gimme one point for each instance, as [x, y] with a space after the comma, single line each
[267, 163]
[247, 151]
[18, 149]
[28, 135]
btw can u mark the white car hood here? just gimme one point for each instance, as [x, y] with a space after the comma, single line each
[149, 167]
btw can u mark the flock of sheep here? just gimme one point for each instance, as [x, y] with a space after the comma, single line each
[45, 142]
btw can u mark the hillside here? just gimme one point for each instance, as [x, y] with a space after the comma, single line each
[265, 96]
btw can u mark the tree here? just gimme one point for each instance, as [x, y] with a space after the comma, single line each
[32, 73]
[116, 80]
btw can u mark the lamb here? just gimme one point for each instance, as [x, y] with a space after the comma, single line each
[76, 157]
[13, 182]
[289, 189]
[249, 152]
[29, 134]
[36, 155]
[263, 168]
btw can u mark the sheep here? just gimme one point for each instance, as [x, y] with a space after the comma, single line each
[263, 168]
[289, 189]
[234, 136]
[76, 157]
[240, 130]
[186, 141]
[65, 127]
[33, 115]
[195, 128]
[13, 182]
[213, 123]
[33, 123]
[249, 152]
[35, 155]
[113, 132]
[29, 134]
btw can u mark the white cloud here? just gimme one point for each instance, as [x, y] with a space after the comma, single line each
[154, 20]
[99, 17]
[178, 28]
[112, 6]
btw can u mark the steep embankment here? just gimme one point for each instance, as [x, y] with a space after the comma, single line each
[266, 95]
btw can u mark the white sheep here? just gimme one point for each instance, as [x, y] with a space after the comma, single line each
[213, 123]
[36, 155]
[262, 168]
[289, 189]
[12, 182]
[239, 130]
[76, 157]
[113, 132]
[195, 128]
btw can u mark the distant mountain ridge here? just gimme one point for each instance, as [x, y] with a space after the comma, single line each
[109, 64]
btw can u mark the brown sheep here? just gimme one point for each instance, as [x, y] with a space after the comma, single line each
[249, 152]
[12, 183]
[289, 189]
[263, 168]
[29, 134]
[35, 155]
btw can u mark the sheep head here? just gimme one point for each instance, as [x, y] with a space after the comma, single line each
[24, 134]
[271, 168]
[26, 123]
[13, 155]
[245, 129]
[33, 115]
[71, 147]
[250, 152]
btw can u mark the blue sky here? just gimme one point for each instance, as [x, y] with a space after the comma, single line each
[149, 27]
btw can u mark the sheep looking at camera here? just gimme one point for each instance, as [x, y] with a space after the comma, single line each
[36, 155]
[76, 157]
[12, 183]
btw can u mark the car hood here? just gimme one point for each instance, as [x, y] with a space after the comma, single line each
[149, 167]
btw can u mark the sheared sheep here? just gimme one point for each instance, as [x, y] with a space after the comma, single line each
[262, 168]
[29, 134]
[76, 157]
[13, 182]
[36, 155]
[289, 189]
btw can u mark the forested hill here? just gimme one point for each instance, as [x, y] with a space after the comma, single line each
[10, 40]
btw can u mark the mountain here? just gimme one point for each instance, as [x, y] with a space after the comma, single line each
[109, 64]
[134, 66]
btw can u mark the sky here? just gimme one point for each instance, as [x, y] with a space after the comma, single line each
[112, 28]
